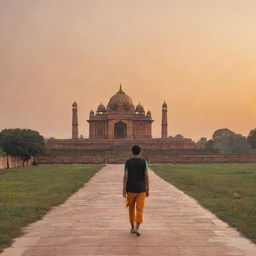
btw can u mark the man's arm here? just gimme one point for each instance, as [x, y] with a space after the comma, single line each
[125, 178]
[147, 179]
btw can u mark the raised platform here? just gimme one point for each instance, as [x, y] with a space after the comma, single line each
[115, 157]
[112, 150]
[114, 144]
[118, 151]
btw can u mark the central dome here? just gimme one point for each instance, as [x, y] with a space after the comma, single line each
[120, 101]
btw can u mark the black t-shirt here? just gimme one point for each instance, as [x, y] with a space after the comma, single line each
[136, 168]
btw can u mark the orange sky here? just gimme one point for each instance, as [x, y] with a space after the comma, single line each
[199, 56]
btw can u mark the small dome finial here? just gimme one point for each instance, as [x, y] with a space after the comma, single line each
[120, 87]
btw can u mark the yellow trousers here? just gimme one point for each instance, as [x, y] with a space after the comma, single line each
[135, 202]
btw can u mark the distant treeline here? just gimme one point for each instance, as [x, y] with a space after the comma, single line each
[229, 142]
[226, 142]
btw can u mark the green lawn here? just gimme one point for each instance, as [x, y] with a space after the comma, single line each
[228, 190]
[26, 194]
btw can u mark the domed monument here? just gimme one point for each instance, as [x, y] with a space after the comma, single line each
[120, 119]
[113, 129]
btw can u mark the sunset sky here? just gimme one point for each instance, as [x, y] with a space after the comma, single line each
[197, 55]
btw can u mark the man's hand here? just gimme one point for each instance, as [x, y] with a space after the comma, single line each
[125, 178]
[124, 193]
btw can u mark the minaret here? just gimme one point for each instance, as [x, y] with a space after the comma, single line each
[164, 132]
[74, 121]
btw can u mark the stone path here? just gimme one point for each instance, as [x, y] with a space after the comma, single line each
[94, 221]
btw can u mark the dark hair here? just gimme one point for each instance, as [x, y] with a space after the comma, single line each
[136, 149]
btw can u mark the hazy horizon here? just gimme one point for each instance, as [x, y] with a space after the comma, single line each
[199, 56]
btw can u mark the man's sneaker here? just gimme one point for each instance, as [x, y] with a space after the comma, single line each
[132, 230]
[137, 232]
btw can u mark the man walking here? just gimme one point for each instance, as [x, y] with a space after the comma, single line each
[135, 188]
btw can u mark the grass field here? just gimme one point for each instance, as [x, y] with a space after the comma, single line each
[228, 190]
[26, 194]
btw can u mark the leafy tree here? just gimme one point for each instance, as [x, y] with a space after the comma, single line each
[209, 145]
[221, 133]
[228, 142]
[252, 138]
[2, 153]
[178, 137]
[22, 142]
[202, 141]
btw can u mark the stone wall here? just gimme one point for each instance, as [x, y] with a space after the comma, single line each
[69, 159]
[202, 158]
[98, 157]
[3, 162]
[117, 144]
[14, 161]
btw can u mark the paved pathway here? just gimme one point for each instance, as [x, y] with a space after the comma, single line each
[94, 221]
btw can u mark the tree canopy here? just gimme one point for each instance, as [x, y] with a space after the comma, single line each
[209, 145]
[252, 138]
[202, 141]
[22, 142]
[229, 142]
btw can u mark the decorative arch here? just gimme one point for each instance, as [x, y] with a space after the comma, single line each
[120, 130]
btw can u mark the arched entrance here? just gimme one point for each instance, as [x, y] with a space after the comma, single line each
[120, 130]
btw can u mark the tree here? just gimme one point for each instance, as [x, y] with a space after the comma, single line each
[252, 138]
[209, 145]
[228, 142]
[22, 142]
[178, 137]
[202, 142]
[221, 133]
[2, 153]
